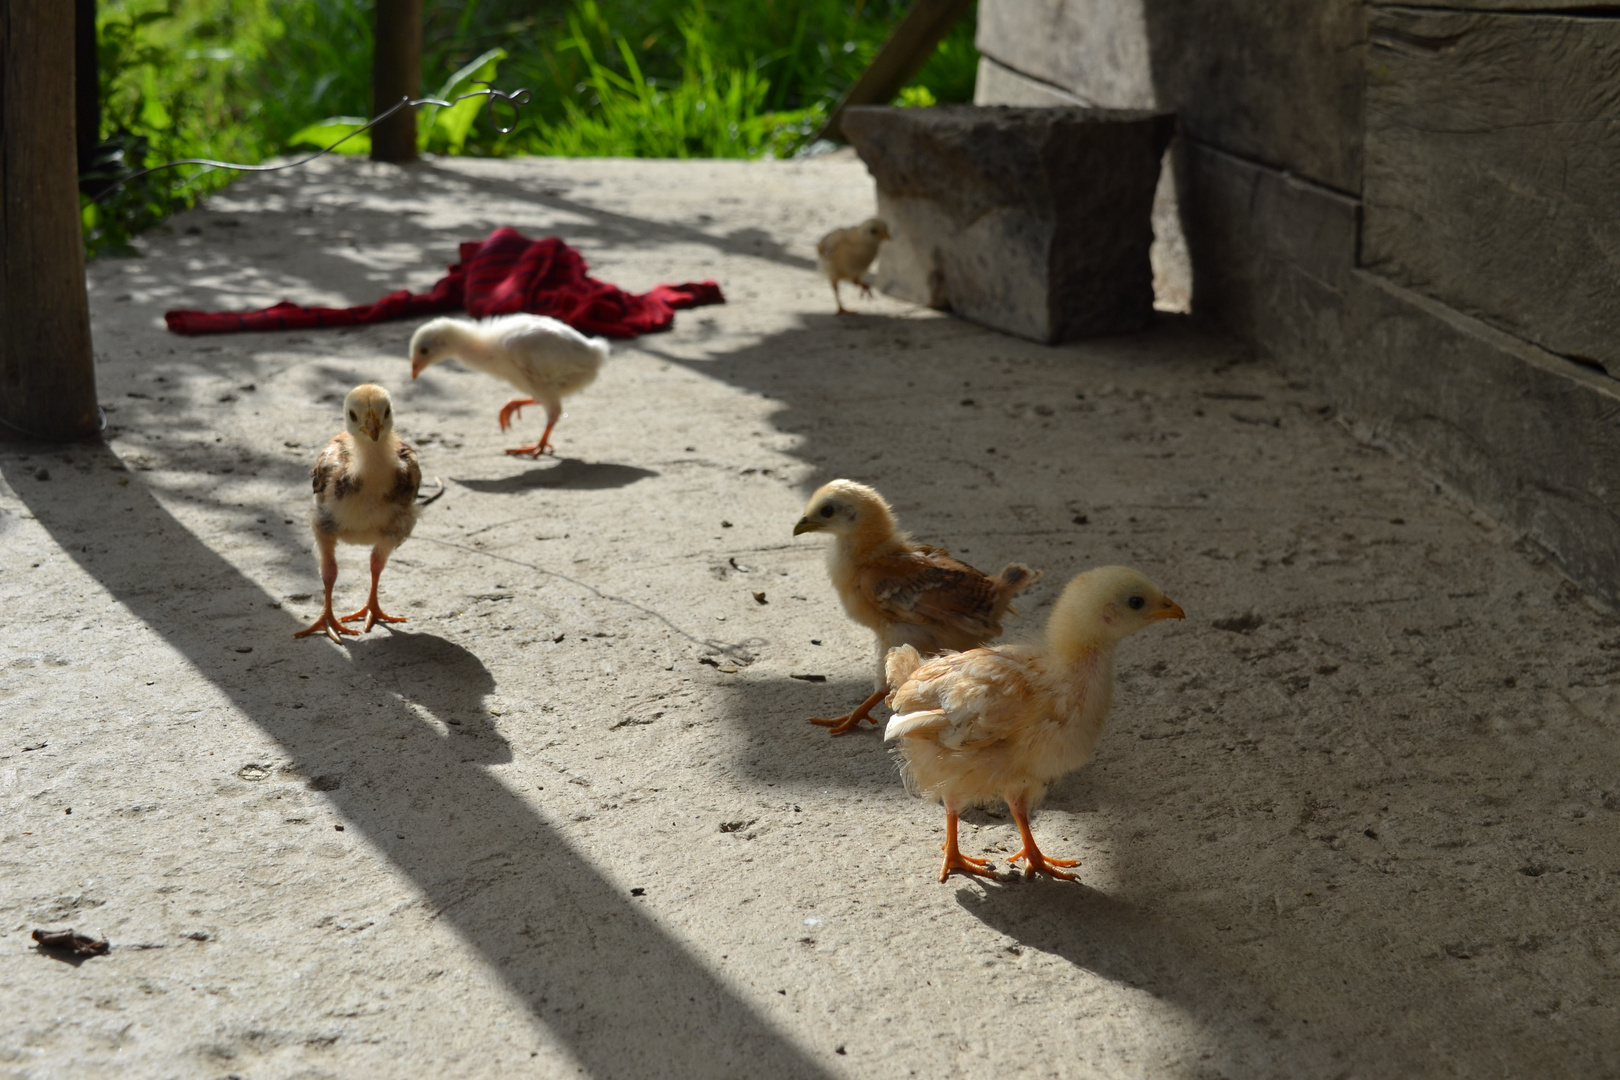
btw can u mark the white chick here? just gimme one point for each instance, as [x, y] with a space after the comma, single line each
[1008, 721]
[365, 483]
[846, 255]
[906, 593]
[544, 358]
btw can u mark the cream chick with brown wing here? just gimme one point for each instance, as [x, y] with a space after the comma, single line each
[365, 483]
[1005, 723]
[905, 592]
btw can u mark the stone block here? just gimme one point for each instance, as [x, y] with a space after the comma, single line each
[1035, 221]
[1172, 273]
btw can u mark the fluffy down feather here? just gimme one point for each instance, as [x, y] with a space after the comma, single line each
[1003, 723]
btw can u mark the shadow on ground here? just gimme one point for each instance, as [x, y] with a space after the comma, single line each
[570, 944]
[570, 474]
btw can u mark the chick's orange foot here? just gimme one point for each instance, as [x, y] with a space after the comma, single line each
[955, 861]
[513, 409]
[328, 622]
[373, 614]
[1037, 863]
[842, 725]
[958, 863]
[534, 451]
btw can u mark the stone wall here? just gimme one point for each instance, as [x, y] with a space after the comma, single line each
[1413, 206]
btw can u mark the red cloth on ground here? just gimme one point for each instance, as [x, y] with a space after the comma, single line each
[504, 274]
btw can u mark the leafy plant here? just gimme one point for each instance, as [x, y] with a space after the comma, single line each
[244, 80]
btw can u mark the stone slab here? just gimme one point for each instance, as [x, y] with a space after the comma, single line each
[1035, 221]
[1274, 80]
[1172, 273]
[1492, 152]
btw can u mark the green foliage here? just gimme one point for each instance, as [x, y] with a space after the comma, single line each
[165, 69]
[705, 112]
[336, 133]
[244, 80]
[445, 130]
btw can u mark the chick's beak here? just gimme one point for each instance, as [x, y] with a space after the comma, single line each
[1168, 609]
[806, 525]
[373, 426]
[416, 368]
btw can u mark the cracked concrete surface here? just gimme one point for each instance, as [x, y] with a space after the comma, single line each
[1355, 818]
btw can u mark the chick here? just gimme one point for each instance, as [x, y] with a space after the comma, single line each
[365, 485]
[846, 255]
[905, 592]
[544, 358]
[1006, 722]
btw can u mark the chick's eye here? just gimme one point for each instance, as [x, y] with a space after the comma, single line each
[388, 411]
[353, 417]
[826, 511]
[1135, 603]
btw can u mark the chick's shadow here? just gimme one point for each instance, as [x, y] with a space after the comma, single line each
[783, 747]
[440, 677]
[570, 474]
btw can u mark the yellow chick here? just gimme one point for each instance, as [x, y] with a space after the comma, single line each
[904, 592]
[846, 255]
[541, 356]
[1006, 722]
[365, 483]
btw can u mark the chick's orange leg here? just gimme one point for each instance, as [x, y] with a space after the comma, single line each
[839, 300]
[553, 414]
[513, 408]
[843, 724]
[1035, 862]
[955, 861]
[373, 612]
[328, 622]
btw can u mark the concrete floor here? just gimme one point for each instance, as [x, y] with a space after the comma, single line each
[1356, 817]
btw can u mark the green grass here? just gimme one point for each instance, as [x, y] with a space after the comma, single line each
[242, 80]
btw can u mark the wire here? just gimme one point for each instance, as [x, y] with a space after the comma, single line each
[516, 99]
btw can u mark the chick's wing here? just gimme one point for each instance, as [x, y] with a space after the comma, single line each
[970, 699]
[927, 587]
[329, 477]
[407, 477]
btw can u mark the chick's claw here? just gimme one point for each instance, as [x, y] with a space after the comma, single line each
[964, 864]
[373, 615]
[328, 623]
[842, 725]
[1037, 863]
[512, 410]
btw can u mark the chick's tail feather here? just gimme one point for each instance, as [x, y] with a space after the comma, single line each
[1010, 582]
[925, 722]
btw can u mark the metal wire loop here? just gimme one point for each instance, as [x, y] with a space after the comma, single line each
[517, 99]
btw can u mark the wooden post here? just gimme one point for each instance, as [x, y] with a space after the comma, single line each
[902, 56]
[396, 72]
[86, 81]
[47, 378]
